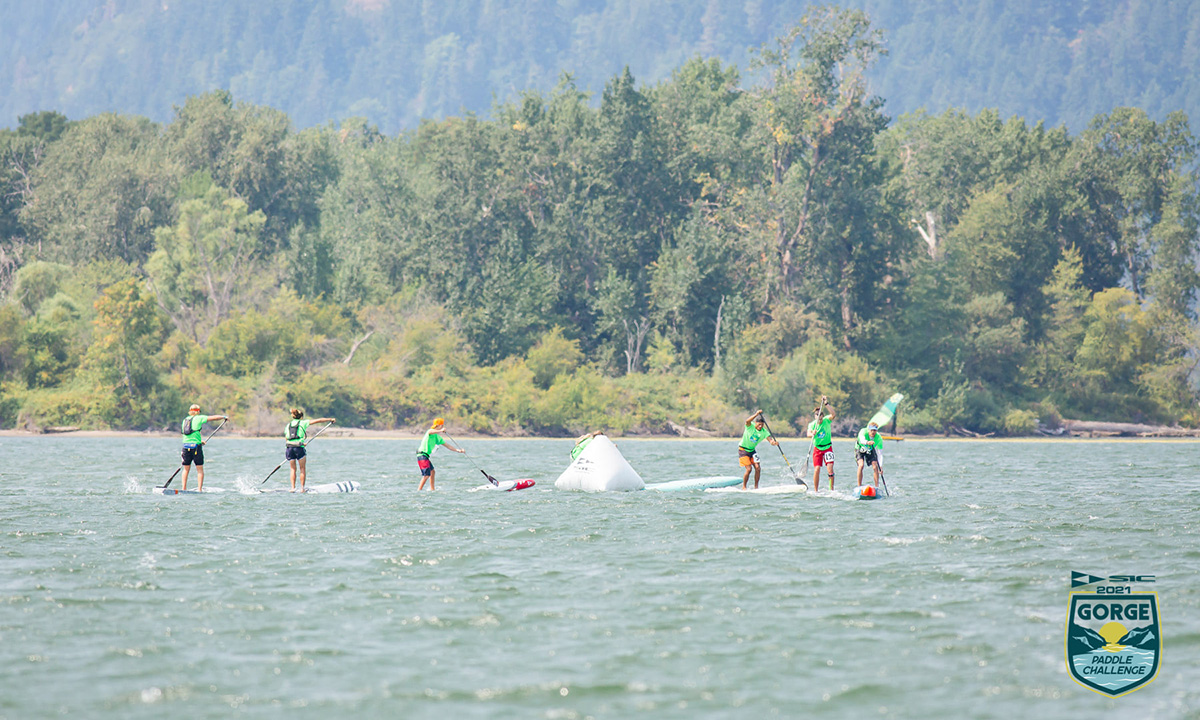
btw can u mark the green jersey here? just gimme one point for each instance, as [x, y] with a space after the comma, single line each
[296, 432]
[864, 441]
[190, 427]
[752, 436]
[429, 443]
[822, 433]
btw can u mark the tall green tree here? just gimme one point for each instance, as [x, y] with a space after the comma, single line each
[204, 262]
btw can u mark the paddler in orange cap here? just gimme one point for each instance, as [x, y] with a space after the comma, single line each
[429, 443]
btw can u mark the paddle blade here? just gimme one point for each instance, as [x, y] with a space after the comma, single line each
[491, 479]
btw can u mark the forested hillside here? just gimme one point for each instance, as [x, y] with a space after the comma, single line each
[396, 62]
[678, 252]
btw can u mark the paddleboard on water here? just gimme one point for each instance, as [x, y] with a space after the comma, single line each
[858, 492]
[768, 490]
[177, 491]
[345, 486]
[508, 485]
[702, 483]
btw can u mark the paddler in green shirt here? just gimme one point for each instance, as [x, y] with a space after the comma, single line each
[295, 436]
[755, 432]
[821, 432]
[867, 449]
[193, 443]
[429, 443]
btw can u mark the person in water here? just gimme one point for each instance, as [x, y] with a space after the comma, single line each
[429, 443]
[867, 448]
[583, 442]
[193, 443]
[755, 432]
[295, 436]
[821, 432]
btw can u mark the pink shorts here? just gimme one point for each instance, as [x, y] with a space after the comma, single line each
[822, 457]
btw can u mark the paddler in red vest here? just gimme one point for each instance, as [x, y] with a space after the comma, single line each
[429, 443]
[755, 432]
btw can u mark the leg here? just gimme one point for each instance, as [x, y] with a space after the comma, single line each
[431, 474]
[200, 478]
[746, 477]
[292, 464]
[829, 472]
[187, 468]
[877, 470]
[303, 472]
[861, 463]
[757, 473]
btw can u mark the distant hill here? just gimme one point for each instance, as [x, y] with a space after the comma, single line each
[397, 61]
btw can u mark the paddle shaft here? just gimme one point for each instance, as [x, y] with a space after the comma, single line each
[881, 477]
[470, 459]
[305, 444]
[795, 475]
[202, 442]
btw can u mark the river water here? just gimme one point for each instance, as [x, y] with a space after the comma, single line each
[947, 599]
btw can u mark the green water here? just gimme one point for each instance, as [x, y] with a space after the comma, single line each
[947, 600]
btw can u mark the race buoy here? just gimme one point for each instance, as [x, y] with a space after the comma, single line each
[867, 493]
[599, 468]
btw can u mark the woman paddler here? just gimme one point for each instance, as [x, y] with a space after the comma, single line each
[296, 436]
[755, 432]
[429, 443]
[193, 443]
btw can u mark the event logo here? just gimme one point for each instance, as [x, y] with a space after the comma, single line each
[1113, 638]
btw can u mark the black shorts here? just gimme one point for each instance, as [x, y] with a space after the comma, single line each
[193, 455]
[867, 456]
[294, 452]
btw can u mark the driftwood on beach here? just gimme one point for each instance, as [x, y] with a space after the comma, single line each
[1088, 428]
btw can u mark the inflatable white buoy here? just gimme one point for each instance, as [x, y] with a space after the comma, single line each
[600, 467]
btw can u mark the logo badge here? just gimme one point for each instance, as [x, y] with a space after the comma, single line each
[1113, 641]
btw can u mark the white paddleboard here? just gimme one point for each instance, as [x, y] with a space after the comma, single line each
[337, 487]
[697, 483]
[768, 490]
[177, 491]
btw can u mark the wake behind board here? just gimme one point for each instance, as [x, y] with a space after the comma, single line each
[768, 490]
[702, 483]
[346, 486]
[508, 485]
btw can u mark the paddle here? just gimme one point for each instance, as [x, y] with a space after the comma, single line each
[795, 475]
[304, 444]
[881, 477]
[491, 479]
[202, 442]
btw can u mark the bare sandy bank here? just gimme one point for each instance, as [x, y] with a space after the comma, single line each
[408, 435]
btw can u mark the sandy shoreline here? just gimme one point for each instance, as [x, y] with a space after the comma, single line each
[371, 434]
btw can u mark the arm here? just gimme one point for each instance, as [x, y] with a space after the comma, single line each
[753, 415]
[455, 449]
[829, 408]
[321, 420]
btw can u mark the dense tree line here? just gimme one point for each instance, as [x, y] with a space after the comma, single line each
[398, 61]
[665, 253]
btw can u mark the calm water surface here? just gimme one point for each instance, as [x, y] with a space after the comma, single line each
[946, 600]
